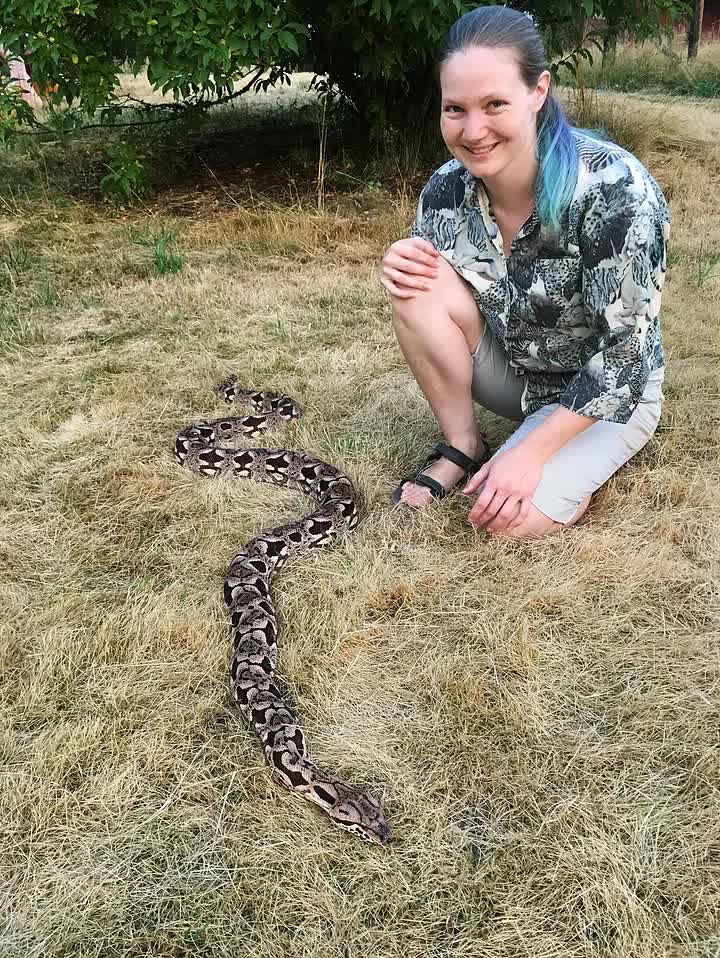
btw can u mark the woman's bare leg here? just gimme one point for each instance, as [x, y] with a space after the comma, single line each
[537, 525]
[438, 330]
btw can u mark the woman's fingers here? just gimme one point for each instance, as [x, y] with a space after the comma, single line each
[507, 516]
[409, 266]
[421, 245]
[423, 274]
[522, 514]
[486, 507]
[416, 260]
[399, 291]
[398, 276]
[413, 256]
[474, 482]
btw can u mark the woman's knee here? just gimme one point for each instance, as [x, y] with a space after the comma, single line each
[449, 295]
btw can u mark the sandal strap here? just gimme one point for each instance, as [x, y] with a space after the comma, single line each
[458, 457]
[438, 491]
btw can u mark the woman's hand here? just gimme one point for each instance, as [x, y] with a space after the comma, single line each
[408, 267]
[507, 484]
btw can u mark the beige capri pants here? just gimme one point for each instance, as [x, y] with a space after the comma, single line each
[584, 463]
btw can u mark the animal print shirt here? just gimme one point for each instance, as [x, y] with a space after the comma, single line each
[577, 311]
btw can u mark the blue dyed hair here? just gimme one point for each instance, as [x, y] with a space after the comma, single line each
[556, 146]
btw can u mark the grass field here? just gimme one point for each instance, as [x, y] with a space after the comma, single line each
[655, 67]
[541, 719]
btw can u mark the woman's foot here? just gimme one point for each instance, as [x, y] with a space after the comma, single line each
[446, 473]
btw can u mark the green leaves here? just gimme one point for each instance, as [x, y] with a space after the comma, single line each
[127, 178]
[377, 53]
[192, 49]
[14, 111]
[288, 41]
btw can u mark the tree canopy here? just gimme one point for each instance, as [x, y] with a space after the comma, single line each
[376, 54]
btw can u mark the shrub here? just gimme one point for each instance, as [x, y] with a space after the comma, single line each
[127, 178]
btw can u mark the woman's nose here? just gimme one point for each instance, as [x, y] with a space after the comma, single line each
[476, 126]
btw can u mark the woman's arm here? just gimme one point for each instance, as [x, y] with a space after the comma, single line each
[623, 274]
[508, 482]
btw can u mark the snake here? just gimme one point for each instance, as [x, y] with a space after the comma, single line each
[252, 619]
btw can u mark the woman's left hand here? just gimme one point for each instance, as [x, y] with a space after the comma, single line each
[507, 484]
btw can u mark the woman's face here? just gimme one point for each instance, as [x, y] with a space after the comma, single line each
[488, 114]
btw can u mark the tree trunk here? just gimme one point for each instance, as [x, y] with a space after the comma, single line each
[695, 28]
[609, 49]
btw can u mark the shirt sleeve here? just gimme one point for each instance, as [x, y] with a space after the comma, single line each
[423, 225]
[437, 210]
[623, 244]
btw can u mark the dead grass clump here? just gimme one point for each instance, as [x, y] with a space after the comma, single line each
[653, 130]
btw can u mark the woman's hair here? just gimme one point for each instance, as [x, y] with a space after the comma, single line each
[557, 149]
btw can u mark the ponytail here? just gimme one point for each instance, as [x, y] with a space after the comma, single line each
[557, 163]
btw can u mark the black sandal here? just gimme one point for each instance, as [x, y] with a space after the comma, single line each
[443, 451]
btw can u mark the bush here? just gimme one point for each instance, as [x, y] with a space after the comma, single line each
[127, 178]
[14, 111]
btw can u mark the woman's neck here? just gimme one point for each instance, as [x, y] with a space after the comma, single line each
[512, 191]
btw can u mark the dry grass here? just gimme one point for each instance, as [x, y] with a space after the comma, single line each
[541, 719]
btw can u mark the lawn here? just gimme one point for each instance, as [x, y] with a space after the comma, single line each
[540, 719]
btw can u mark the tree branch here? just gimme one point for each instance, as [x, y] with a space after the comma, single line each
[176, 108]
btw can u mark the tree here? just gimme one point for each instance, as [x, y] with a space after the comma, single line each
[195, 49]
[695, 28]
[377, 55]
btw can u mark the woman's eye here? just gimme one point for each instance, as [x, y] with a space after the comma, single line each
[497, 103]
[452, 107]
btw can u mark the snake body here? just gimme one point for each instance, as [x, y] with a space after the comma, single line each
[248, 600]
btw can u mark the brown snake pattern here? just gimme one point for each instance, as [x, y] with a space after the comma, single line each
[253, 623]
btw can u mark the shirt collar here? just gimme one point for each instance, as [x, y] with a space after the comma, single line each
[477, 197]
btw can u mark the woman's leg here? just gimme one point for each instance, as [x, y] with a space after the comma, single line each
[586, 462]
[437, 331]
[536, 524]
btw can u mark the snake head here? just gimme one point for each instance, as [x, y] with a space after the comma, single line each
[199, 433]
[355, 811]
[197, 436]
[226, 389]
[362, 815]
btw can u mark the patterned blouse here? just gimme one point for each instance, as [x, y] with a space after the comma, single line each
[577, 311]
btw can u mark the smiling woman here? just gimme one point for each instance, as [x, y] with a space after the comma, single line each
[488, 117]
[531, 284]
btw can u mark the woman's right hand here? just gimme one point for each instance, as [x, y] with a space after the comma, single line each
[408, 267]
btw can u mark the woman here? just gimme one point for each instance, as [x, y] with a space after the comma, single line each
[531, 283]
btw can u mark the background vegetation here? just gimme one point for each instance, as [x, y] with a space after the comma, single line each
[655, 69]
[375, 55]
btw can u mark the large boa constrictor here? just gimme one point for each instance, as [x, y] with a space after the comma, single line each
[253, 623]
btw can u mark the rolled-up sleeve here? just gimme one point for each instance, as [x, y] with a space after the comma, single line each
[624, 260]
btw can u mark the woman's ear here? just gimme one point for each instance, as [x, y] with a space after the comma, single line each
[541, 90]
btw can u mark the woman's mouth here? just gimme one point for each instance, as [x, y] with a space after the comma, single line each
[484, 151]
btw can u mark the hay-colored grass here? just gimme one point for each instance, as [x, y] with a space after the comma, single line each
[541, 719]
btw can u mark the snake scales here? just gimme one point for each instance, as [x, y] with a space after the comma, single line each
[253, 622]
